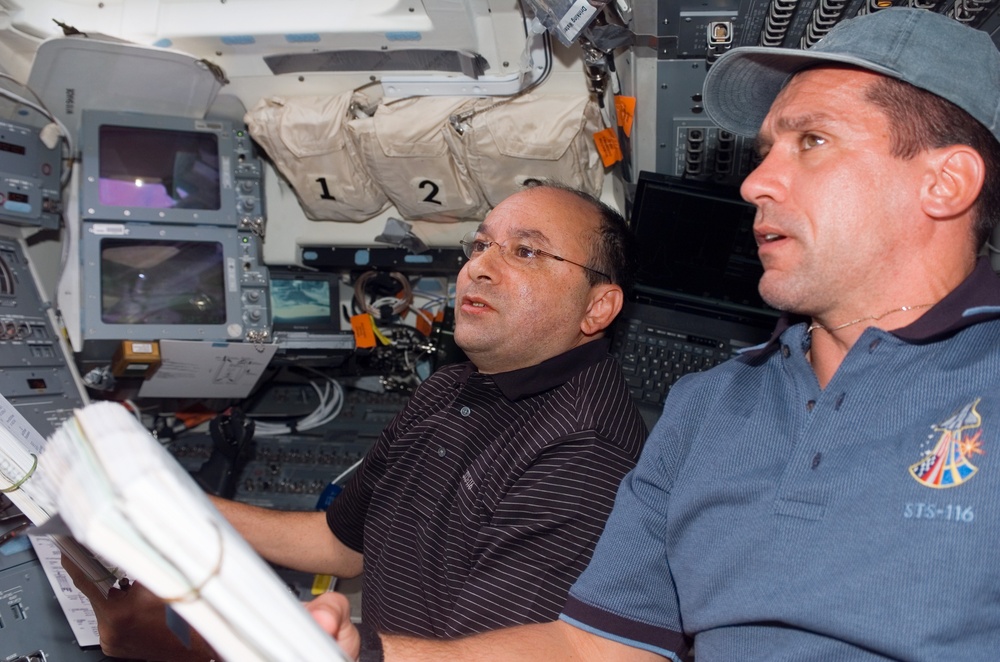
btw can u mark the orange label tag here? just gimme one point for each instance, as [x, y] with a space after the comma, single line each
[424, 323]
[608, 147]
[364, 334]
[625, 108]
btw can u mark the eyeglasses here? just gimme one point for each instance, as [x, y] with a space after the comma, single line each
[518, 255]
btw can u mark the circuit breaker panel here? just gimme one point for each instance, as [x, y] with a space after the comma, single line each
[35, 377]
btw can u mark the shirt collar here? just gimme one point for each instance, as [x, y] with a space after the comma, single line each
[548, 374]
[976, 299]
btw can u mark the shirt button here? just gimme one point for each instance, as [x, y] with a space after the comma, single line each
[875, 343]
[785, 351]
[441, 451]
[810, 405]
[465, 411]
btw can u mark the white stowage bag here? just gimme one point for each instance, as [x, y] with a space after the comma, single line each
[307, 139]
[545, 137]
[405, 146]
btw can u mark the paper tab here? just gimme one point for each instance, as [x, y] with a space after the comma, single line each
[608, 147]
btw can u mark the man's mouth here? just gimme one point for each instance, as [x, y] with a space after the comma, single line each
[479, 304]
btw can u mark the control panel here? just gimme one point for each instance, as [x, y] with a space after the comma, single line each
[255, 299]
[249, 186]
[29, 177]
[36, 378]
[33, 367]
[291, 471]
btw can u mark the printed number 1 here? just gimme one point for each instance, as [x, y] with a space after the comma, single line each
[326, 190]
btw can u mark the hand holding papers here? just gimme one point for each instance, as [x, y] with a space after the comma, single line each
[20, 447]
[124, 497]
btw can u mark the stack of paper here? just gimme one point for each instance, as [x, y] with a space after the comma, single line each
[125, 497]
[20, 449]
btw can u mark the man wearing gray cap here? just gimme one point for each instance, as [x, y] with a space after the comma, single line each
[831, 495]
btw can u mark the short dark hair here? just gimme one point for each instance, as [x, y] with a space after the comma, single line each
[920, 120]
[614, 253]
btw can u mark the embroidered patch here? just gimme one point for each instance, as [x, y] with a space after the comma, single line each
[948, 463]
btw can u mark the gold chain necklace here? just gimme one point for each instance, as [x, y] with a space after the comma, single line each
[817, 325]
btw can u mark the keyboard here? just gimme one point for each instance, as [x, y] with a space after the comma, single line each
[654, 357]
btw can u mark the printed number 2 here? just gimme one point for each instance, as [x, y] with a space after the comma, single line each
[435, 189]
[326, 190]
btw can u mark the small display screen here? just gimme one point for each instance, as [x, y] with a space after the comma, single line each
[158, 168]
[697, 243]
[162, 282]
[303, 303]
[12, 148]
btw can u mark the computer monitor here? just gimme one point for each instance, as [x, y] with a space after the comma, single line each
[160, 169]
[306, 317]
[305, 302]
[153, 282]
[695, 241]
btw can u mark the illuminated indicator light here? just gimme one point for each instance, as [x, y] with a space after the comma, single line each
[403, 36]
[239, 40]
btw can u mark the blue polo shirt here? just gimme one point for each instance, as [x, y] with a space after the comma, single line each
[769, 519]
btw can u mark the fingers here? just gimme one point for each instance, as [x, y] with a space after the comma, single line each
[83, 583]
[332, 611]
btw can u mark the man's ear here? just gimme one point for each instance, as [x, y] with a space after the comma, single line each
[606, 301]
[957, 175]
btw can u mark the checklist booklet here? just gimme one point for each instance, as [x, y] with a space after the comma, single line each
[124, 497]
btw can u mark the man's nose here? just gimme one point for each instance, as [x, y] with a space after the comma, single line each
[488, 263]
[763, 181]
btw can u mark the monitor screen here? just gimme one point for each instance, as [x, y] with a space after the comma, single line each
[306, 302]
[696, 239]
[162, 282]
[142, 281]
[158, 168]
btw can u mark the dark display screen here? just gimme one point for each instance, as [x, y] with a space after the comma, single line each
[158, 168]
[696, 241]
[12, 148]
[162, 282]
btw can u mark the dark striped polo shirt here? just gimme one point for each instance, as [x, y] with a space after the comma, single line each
[483, 499]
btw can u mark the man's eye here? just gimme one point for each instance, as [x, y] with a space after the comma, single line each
[523, 252]
[809, 141]
[479, 246]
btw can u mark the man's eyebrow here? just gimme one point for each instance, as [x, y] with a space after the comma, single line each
[519, 233]
[763, 142]
[530, 233]
[803, 121]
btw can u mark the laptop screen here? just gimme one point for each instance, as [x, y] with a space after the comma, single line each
[696, 244]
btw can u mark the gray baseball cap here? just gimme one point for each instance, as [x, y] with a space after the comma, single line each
[919, 46]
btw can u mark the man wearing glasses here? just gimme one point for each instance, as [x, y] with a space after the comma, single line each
[830, 495]
[483, 499]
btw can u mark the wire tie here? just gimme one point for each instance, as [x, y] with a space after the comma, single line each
[18, 484]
